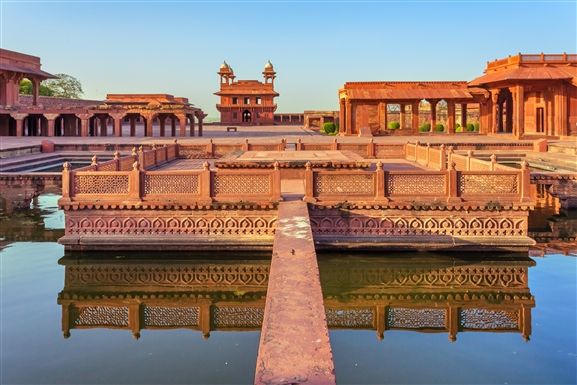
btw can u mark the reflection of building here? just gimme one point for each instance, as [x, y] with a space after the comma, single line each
[247, 102]
[35, 115]
[437, 295]
[518, 95]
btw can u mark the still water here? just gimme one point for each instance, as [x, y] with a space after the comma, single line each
[513, 320]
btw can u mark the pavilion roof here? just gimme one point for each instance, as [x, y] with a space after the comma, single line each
[408, 90]
[144, 99]
[10, 67]
[528, 73]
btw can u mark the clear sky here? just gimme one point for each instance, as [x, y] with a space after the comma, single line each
[177, 46]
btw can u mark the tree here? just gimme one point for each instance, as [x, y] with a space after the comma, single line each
[26, 88]
[65, 86]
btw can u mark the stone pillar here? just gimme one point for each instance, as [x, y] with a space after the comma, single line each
[172, 125]
[349, 117]
[402, 115]
[117, 124]
[561, 111]
[464, 115]
[149, 125]
[35, 91]
[451, 117]
[182, 125]
[433, 104]
[494, 111]
[380, 116]
[342, 114]
[415, 117]
[51, 118]
[84, 124]
[200, 118]
[191, 117]
[519, 110]
[19, 118]
[385, 115]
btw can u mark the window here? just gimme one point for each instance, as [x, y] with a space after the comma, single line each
[234, 100]
[246, 100]
[258, 100]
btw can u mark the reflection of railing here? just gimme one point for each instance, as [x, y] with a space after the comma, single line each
[450, 185]
[380, 294]
[137, 186]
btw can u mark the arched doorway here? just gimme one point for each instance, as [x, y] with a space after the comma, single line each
[246, 116]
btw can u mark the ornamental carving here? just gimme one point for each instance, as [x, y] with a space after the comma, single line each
[350, 318]
[171, 184]
[415, 184]
[366, 226]
[239, 184]
[100, 184]
[410, 318]
[107, 166]
[191, 275]
[171, 225]
[100, 316]
[163, 316]
[356, 184]
[237, 316]
[488, 184]
[487, 319]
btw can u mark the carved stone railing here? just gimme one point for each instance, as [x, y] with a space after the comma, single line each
[469, 163]
[171, 187]
[428, 156]
[450, 186]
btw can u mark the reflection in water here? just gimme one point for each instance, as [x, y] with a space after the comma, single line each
[141, 294]
[440, 294]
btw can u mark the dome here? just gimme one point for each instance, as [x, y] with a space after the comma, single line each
[268, 66]
[224, 66]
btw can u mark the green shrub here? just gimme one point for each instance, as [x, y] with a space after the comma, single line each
[425, 127]
[457, 126]
[394, 125]
[459, 129]
[330, 128]
[470, 127]
[476, 127]
[439, 127]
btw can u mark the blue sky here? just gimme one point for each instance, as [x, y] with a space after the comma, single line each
[177, 46]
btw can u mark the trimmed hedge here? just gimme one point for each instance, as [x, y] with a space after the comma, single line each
[425, 127]
[439, 127]
[330, 128]
[394, 125]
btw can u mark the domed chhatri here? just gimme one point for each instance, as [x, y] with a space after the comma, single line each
[268, 66]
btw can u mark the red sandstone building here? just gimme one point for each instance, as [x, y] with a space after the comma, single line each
[519, 96]
[118, 115]
[246, 102]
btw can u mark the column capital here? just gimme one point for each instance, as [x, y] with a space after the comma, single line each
[117, 115]
[84, 116]
[19, 115]
[51, 116]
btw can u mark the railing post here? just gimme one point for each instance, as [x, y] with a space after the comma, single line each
[176, 149]
[469, 157]
[442, 157]
[282, 144]
[450, 152]
[525, 182]
[205, 183]
[309, 183]
[66, 181]
[452, 184]
[94, 162]
[428, 155]
[299, 145]
[117, 160]
[141, 158]
[493, 162]
[371, 148]
[380, 182]
[210, 148]
[155, 153]
[335, 145]
[276, 187]
[245, 145]
[134, 182]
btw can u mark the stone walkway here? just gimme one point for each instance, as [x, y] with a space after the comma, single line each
[294, 342]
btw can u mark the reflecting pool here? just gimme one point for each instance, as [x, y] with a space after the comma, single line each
[162, 318]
